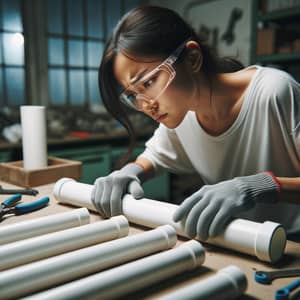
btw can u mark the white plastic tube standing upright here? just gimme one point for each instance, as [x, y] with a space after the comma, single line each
[29, 250]
[33, 277]
[38, 226]
[264, 240]
[228, 284]
[130, 277]
[34, 136]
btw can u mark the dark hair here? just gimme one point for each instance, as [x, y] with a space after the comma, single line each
[150, 31]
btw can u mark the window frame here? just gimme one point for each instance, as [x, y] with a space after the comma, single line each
[36, 65]
[6, 66]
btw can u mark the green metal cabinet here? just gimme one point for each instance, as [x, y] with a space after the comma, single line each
[98, 161]
[95, 160]
[157, 188]
[5, 156]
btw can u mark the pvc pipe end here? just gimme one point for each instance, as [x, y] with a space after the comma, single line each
[270, 241]
[58, 185]
[170, 234]
[83, 215]
[237, 277]
[122, 225]
[197, 252]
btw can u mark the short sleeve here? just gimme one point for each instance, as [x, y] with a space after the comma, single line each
[286, 95]
[165, 152]
[294, 94]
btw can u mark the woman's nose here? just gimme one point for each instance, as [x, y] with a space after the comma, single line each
[151, 106]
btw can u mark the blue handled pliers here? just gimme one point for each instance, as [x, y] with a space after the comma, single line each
[285, 292]
[11, 205]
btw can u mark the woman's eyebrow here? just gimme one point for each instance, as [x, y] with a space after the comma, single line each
[138, 76]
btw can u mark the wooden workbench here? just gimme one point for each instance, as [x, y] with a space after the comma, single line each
[216, 258]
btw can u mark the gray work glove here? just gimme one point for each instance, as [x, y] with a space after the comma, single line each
[108, 191]
[206, 212]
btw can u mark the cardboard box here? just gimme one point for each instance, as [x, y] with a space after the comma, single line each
[284, 49]
[296, 45]
[266, 41]
[13, 172]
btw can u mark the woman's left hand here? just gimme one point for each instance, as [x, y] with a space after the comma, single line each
[207, 211]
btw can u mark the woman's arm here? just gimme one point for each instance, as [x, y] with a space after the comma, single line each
[290, 189]
[148, 167]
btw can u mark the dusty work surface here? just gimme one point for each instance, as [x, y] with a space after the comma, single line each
[216, 257]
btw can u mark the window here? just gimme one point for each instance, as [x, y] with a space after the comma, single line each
[12, 66]
[64, 41]
[76, 33]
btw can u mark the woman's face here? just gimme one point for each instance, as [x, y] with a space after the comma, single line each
[172, 105]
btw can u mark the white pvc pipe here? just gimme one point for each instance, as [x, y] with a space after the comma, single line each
[43, 274]
[38, 226]
[34, 136]
[51, 244]
[265, 240]
[228, 284]
[130, 277]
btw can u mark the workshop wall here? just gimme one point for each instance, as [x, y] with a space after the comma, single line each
[212, 18]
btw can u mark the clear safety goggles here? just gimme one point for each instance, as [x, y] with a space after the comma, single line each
[153, 84]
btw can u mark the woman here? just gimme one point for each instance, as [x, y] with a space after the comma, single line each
[238, 128]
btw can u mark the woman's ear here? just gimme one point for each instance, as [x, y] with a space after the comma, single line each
[194, 55]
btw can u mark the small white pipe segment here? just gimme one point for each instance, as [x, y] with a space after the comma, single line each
[43, 225]
[36, 248]
[229, 283]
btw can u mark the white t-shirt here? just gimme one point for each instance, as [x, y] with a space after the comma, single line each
[264, 136]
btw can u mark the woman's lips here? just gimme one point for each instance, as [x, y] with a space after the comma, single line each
[161, 117]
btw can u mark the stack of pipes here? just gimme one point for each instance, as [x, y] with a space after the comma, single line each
[64, 257]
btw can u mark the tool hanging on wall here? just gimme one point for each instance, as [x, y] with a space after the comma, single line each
[12, 205]
[229, 35]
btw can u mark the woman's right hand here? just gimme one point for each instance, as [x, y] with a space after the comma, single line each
[108, 191]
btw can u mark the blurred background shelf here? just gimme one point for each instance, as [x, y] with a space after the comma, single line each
[280, 15]
[276, 35]
[277, 58]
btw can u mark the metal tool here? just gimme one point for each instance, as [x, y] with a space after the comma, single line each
[284, 293]
[265, 277]
[29, 192]
[11, 206]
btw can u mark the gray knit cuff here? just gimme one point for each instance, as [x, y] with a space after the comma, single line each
[261, 187]
[134, 169]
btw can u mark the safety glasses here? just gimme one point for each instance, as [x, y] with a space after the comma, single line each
[147, 89]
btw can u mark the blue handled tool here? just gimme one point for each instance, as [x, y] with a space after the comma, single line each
[284, 293]
[265, 277]
[11, 205]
